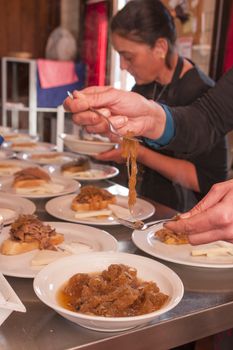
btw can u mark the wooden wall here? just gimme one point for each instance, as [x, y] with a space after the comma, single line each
[26, 24]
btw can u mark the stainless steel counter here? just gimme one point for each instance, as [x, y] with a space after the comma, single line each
[206, 308]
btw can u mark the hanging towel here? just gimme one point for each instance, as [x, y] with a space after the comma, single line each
[56, 73]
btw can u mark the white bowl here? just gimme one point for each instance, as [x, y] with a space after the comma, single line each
[48, 281]
[85, 146]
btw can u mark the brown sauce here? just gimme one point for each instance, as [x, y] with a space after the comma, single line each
[116, 292]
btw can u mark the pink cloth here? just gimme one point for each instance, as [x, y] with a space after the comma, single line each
[56, 73]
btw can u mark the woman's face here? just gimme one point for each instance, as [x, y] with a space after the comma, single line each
[140, 60]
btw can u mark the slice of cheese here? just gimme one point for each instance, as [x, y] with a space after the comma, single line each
[43, 189]
[120, 212]
[76, 247]
[212, 252]
[45, 257]
[92, 213]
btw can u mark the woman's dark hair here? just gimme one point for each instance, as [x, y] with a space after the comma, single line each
[145, 21]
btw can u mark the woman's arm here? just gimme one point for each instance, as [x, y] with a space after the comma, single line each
[180, 171]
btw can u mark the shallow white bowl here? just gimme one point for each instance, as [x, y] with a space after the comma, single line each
[48, 281]
[85, 146]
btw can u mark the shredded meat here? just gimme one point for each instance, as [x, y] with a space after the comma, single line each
[28, 228]
[116, 292]
[90, 194]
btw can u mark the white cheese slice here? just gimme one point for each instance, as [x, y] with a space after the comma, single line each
[43, 189]
[45, 257]
[120, 212]
[92, 213]
[213, 251]
[76, 247]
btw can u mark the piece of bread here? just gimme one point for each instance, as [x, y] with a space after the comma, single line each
[30, 177]
[92, 198]
[75, 166]
[14, 247]
[27, 233]
[169, 237]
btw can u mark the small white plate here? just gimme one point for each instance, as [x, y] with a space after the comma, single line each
[20, 265]
[179, 254]
[95, 173]
[11, 207]
[85, 146]
[52, 277]
[60, 208]
[52, 157]
[11, 166]
[68, 186]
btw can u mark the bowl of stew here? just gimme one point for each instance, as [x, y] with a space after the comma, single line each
[108, 291]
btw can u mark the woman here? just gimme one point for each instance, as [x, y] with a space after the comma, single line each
[144, 35]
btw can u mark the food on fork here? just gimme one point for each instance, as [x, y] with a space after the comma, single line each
[27, 233]
[169, 237]
[130, 151]
[75, 166]
[30, 177]
[93, 200]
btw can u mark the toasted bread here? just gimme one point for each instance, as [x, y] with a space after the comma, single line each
[30, 177]
[169, 237]
[75, 166]
[92, 198]
[26, 233]
[14, 247]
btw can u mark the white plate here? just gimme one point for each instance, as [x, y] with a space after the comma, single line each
[6, 153]
[180, 254]
[52, 277]
[13, 165]
[69, 186]
[20, 265]
[37, 147]
[15, 206]
[95, 173]
[87, 147]
[59, 157]
[60, 208]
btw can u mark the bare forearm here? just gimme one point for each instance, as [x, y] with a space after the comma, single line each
[178, 170]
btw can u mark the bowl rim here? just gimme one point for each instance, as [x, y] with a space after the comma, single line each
[126, 319]
[73, 138]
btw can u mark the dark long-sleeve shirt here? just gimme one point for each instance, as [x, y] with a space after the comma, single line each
[202, 124]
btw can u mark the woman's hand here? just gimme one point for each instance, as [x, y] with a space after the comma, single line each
[113, 155]
[128, 111]
[211, 219]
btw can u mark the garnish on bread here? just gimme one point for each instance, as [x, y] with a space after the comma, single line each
[169, 237]
[30, 177]
[27, 233]
[92, 198]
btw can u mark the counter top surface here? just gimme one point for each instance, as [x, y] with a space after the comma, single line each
[205, 309]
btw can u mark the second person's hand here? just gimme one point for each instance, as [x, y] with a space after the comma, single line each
[211, 219]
